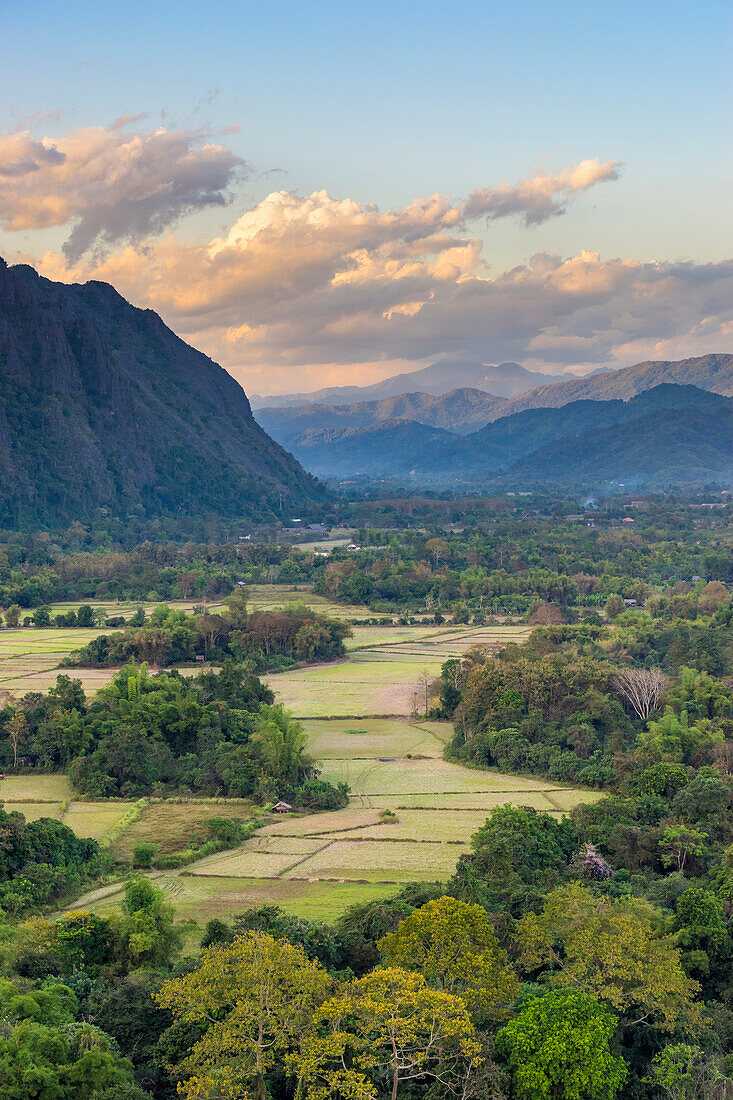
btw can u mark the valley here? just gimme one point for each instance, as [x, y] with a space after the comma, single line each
[364, 727]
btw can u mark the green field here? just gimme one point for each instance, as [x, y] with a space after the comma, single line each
[37, 796]
[358, 717]
[382, 672]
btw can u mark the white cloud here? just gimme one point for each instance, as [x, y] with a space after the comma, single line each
[108, 185]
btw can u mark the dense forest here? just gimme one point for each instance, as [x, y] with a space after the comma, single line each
[491, 556]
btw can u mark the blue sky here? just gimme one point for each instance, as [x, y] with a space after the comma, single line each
[384, 103]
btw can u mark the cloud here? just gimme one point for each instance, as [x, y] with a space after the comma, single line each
[108, 185]
[545, 196]
[312, 290]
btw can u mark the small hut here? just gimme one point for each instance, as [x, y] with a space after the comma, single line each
[282, 808]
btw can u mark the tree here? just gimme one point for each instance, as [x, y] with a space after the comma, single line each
[559, 1048]
[12, 616]
[423, 690]
[455, 948]
[672, 737]
[282, 742]
[614, 952]
[85, 616]
[438, 550]
[685, 1072]
[679, 842]
[615, 606]
[257, 999]
[147, 930]
[237, 608]
[17, 731]
[383, 1031]
[642, 688]
[517, 855]
[41, 617]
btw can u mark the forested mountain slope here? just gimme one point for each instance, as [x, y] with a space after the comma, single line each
[707, 372]
[103, 407]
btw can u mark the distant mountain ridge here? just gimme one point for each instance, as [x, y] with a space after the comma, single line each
[460, 411]
[708, 372]
[102, 407]
[502, 380]
[582, 442]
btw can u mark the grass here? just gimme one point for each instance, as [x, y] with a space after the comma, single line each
[338, 740]
[201, 899]
[170, 825]
[402, 777]
[36, 788]
[93, 819]
[359, 686]
[378, 861]
[32, 811]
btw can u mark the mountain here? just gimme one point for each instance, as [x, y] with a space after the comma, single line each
[460, 411]
[385, 449]
[707, 372]
[504, 380]
[103, 407]
[669, 434]
[687, 444]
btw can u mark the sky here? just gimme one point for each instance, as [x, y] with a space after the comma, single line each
[325, 194]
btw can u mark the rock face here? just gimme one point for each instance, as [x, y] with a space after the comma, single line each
[103, 407]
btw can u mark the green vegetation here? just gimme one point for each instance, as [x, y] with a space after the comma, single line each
[526, 895]
[264, 639]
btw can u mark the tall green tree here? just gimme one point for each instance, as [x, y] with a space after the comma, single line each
[559, 1047]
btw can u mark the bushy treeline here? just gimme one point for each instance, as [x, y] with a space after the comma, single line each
[505, 559]
[34, 572]
[590, 704]
[43, 861]
[264, 639]
[216, 734]
[570, 959]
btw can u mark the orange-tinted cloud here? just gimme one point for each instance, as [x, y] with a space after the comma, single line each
[109, 185]
[542, 197]
[308, 290]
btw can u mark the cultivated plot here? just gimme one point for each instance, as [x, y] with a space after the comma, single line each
[358, 717]
[370, 738]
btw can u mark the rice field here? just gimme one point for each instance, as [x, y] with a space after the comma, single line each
[359, 718]
[381, 675]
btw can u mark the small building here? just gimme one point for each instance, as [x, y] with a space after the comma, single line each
[282, 808]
